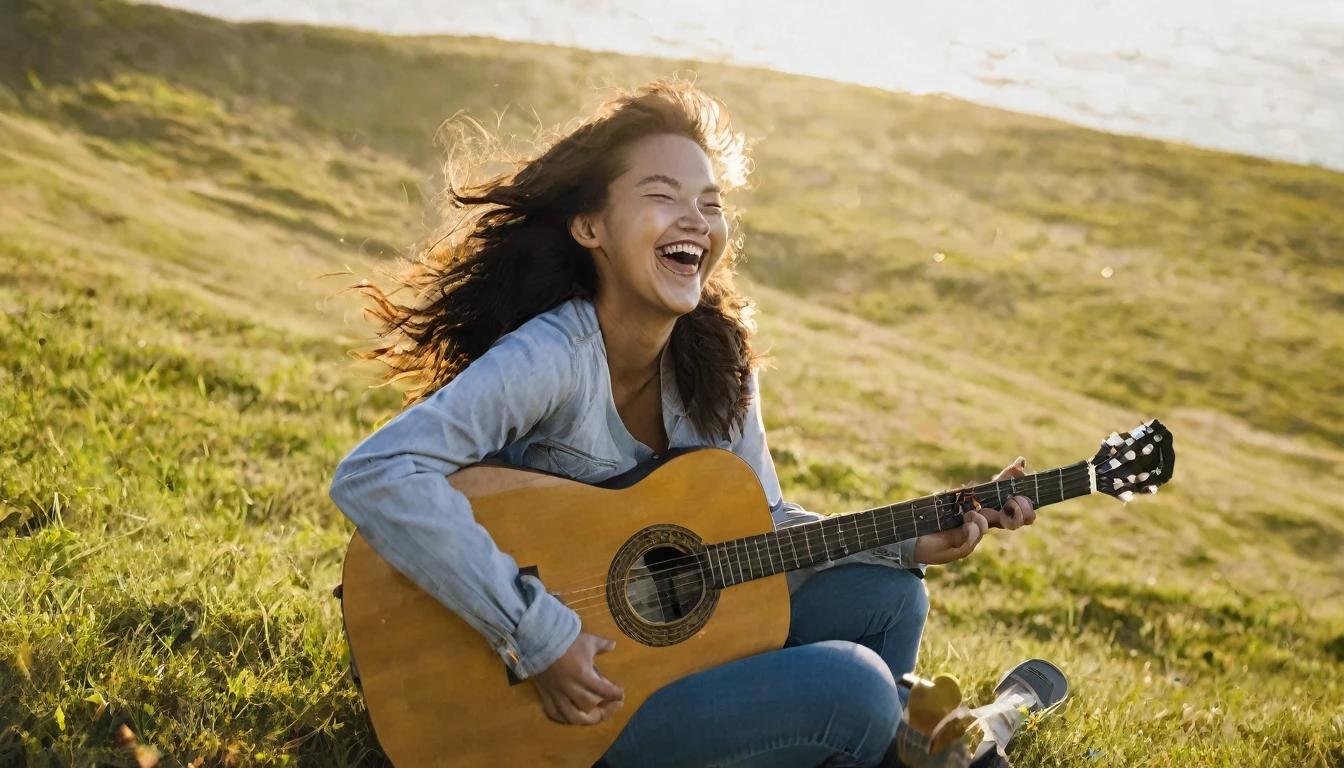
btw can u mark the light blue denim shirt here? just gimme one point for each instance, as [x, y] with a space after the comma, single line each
[539, 398]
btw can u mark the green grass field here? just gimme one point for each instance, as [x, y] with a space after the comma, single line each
[177, 192]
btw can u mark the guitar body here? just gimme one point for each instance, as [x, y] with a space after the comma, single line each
[439, 695]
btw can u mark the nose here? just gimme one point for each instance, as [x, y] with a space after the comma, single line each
[693, 220]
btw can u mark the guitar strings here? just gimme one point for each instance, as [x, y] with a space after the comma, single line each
[664, 594]
[691, 577]
[878, 523]
[698, 576]
[677, 581]
[880, 512]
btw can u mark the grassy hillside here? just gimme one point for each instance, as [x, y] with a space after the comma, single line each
[1225, 275]
[174, 390]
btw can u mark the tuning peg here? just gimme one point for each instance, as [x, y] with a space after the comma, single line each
[1151, 489]
[1157, 470]
[1125, 496]
[1129, 455]
[1115, 440]
[1130, 479]
[1112, 464]
[1157, 438]
[1147, 449]
[1142, 476]
[1117, 484]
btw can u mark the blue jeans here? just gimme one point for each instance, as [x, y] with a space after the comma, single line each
[828, 698]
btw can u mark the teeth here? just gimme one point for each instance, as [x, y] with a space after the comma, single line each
[694, 250]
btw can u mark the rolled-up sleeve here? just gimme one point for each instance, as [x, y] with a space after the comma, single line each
[394, 487]
[751, 446]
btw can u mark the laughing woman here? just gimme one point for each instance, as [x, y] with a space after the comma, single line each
[578, 316]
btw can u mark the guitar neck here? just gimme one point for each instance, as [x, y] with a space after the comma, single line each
[834, 537]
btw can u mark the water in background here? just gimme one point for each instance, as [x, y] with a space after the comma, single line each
[1262, 77]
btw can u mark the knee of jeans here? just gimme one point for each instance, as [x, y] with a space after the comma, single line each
[907, 590]
[866, 697]
[917, 594]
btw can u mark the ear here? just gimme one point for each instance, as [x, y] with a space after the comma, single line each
[582, 230]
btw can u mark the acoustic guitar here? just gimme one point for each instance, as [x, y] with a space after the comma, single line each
[677, 561]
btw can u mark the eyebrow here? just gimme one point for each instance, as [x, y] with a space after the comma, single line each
[673, 183]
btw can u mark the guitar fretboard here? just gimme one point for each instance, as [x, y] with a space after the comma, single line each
[831, 538]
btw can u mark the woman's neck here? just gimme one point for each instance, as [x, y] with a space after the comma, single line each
[634, 341]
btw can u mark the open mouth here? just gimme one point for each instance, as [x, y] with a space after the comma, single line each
[681, 258]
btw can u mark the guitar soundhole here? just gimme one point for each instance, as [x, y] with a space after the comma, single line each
[667, 587]
[658, 587]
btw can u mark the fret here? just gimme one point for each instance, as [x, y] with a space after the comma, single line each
[724, 577]
[867, 531]
[950, 503]
[775, 538]
[713, 578]
[844, 541]
[743, 548]
[807, 542]
[793, 546]
[837, 535]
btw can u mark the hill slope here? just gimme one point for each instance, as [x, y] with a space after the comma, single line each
[175, 393]
[1226, 289]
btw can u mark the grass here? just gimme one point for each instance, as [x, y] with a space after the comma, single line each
[174, 390]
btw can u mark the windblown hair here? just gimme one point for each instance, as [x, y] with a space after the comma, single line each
[504, 253]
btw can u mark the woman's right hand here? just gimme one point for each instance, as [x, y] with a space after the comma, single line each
[573, 691]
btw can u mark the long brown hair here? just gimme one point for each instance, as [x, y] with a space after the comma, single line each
[504, 253]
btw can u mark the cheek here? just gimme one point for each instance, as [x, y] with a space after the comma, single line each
[718, 238]
[644, 227]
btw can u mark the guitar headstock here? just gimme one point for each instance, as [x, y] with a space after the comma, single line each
[1141, 460]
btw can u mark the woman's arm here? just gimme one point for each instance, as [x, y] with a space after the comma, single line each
[394, 486]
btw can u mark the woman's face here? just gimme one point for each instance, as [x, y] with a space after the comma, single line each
[662, 231]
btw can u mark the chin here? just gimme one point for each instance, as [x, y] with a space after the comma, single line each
[681, 305]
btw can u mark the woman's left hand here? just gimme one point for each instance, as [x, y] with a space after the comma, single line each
[1018, 510]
